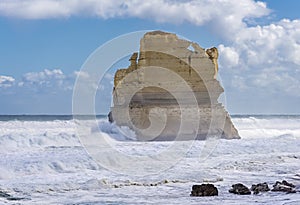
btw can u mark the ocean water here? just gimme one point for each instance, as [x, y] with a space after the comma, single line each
[42, 161]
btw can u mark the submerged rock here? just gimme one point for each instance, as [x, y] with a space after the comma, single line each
[4, 194]
[204, 190]
[240, 189]
[9, 197]
[261, 187]
[284, 186]
[171, 81]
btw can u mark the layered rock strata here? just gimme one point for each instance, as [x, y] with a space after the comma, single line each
[170, 91]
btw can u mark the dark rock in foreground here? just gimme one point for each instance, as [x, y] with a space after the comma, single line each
[240, 189]
[261, 187]
[204, 190]
[284, 186]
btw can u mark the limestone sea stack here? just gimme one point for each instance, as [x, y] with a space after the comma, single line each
[170, 92]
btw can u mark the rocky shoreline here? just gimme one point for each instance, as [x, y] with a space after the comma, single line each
[204, 190]
[240, 189]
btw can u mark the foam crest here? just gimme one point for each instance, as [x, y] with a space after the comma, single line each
[18, 135]
[258, 127]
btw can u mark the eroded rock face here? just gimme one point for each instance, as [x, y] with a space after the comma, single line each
[204, 190]
[169, 90]
[213, 55]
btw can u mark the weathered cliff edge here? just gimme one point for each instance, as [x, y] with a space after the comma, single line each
[169, 82]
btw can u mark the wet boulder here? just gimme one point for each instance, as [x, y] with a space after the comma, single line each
[284, 186]
[261, 187]
[240, 189]
[204, 190]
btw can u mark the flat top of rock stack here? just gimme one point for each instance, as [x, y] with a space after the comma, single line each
[159, 33]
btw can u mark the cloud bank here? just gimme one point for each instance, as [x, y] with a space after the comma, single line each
[198, 12]
[44, 77]
[252, 56]
[265, 57]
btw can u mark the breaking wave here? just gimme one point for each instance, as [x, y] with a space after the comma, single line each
[18, 134]
[267, 126]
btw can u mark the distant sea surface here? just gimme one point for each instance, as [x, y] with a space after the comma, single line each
[101, 116]
[48, 117]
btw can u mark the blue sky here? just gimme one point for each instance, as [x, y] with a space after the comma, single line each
[44, 43]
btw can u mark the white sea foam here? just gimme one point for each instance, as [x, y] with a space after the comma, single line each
[43, 161]
[39, 134]
[252, 127]
[19, 135]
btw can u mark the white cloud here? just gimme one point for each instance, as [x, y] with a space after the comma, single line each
[88, 81]
[282, 82]
[239, 83]
[228, 56]
[109, 77]
[267, 56]
[81, 74]
[230, 12]
[6, 81]
[225, 17]
[274, 43]
[257, 56]
[44, 78]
